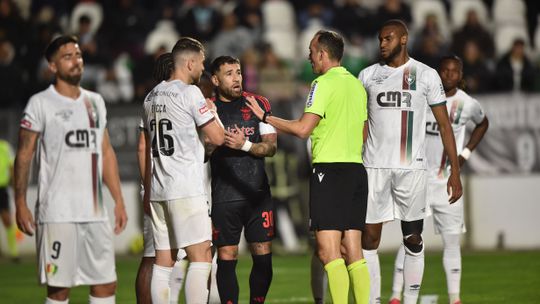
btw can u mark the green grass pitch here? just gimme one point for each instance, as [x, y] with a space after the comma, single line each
[488, 277]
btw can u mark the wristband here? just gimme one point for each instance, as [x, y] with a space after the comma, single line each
[247, 146]
[265, 115]
[466, 153]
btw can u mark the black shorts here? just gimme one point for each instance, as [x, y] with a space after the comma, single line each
[4, 199]
[338, 196]
[257, 219]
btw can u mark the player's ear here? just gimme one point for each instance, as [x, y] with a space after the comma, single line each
[52, 67]
[404, 39]
[215, 80]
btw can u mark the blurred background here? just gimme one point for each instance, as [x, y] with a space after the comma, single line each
[498, 40]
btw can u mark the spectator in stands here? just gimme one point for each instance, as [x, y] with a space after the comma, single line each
[12, 26]
[473, 30]
[476, 73]
[114, 81]
[10, 77]
[276, 80]
[249, 15]
[202, 21]
[515, 71]
[316, 10]
[430, 43]
[354, 20]
[233, 39]
[125, 27]
[393, 9]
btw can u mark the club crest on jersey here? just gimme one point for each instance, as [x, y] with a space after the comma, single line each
[64, 114]
[409, 78]
[309, 102]
[246, 113]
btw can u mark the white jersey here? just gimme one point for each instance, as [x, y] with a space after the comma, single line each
[462, 108]
[172, 112]
[398, 99]
[69, 155]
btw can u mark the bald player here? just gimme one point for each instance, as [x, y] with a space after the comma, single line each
[400, 89]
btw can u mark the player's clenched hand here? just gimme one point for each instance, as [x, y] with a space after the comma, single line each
[255, 107]
[25, 220]
[120, 217]
[235, 139]
[454, 188]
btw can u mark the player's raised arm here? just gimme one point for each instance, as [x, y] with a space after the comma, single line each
[25, 152]
[454, 182]
[111, 178]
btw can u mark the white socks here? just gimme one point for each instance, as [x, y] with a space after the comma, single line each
[197, 282]
[374, 267]
[413, 271]
[178, 275]
[159, 286]
[452, 264]
[319, 280]
[213, 298]
[51, 301]
[397, 283]
[106, 300]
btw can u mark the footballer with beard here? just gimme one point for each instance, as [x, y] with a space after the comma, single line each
[240, 190]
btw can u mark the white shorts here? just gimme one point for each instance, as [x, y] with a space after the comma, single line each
[447, 218]
[73, 254]
[396, 194]
[148, 240]
[181, 223]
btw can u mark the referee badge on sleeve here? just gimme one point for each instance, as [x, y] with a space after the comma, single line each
[309, 102]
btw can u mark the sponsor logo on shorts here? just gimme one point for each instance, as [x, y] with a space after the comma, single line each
[414, 287]
[321, 176]
[51, 269]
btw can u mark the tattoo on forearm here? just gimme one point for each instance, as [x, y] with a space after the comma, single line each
[263, 149]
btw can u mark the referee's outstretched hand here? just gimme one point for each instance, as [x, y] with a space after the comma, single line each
[255, 107]
[454, 188]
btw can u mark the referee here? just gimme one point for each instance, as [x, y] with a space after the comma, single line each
[334, 116]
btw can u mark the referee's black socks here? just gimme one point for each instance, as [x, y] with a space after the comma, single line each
[260, 278]
[226, 281]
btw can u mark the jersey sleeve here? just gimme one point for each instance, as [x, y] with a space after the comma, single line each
[102, 110]
[197, 106]
[33, 118]
[477, 113]
[363, 102]
[435, 94]
[317, 99]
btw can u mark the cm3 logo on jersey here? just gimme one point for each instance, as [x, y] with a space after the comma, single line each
[81, 138]
[394, 99]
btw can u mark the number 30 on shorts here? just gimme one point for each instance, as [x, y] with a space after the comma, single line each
[268, 217]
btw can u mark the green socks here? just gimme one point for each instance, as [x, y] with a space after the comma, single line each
[338, 280]
[359, 275]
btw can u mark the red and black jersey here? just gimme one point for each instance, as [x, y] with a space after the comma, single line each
[238, 175]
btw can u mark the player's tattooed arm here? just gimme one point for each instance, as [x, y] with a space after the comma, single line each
[23, 160]
[267, 147]
[235, 139]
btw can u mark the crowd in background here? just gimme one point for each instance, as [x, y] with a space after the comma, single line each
[121, 39]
